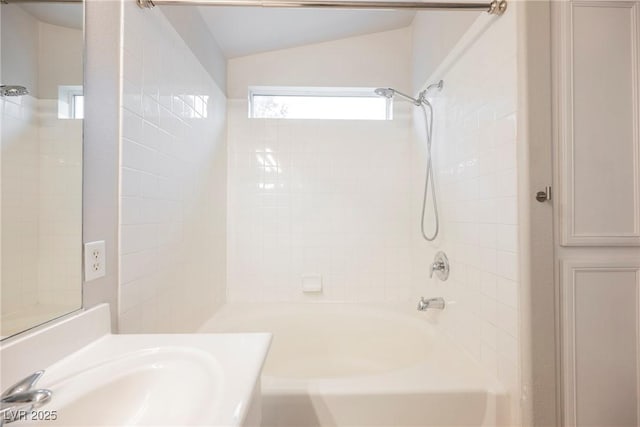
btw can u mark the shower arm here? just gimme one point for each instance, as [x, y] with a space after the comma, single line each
[411, 99]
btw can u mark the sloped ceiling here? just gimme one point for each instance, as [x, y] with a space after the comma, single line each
[64, 15]
[246, 31]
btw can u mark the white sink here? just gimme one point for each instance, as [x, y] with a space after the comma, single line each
[154, 380]
[156, 386]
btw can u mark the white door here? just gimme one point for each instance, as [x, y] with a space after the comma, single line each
[596, 61]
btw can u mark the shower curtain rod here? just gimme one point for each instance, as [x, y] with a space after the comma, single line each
[495, 7]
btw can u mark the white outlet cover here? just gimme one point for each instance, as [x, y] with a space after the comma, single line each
[95, 260]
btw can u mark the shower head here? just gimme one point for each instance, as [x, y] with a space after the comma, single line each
[438, 86]
[12, 90]
[389, 93]
[385, 92]
[423, 95]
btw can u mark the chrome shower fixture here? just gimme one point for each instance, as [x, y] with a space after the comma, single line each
[12, 90]
[424, 104]
[438, 86]
[389, 93]
[424, 93]
[385, 92]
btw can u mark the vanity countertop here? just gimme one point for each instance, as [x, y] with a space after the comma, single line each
[154, 379]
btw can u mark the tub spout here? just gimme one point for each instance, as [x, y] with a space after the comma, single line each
[425, 304]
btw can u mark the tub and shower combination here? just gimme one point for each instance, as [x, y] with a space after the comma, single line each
[338, 364]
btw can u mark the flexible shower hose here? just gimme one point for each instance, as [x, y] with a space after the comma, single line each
[428, 181]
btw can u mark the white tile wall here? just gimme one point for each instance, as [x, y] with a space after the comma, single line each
[322, 197]
[60, 208]
[173, 181]
[41, 174]
[41, 210]
[20, 201]
[475, 160]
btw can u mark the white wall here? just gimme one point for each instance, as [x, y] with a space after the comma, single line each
[188, 22]
[435, 33]
[338, 202]
[539, 404]
[474, 151]
[101, 155]
[172, 182]
[380, 59]
[19, 48]
[60, 57]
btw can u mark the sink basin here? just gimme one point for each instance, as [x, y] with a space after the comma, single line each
[156, 386]
[98, 378]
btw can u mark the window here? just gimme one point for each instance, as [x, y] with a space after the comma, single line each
[70, 102]
[318, 103]
[77, 107]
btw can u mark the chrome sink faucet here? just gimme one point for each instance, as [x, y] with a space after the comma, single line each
[19, 399]
[435, 303]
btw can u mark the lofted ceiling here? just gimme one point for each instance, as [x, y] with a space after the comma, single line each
[62, 14]
[245, 31]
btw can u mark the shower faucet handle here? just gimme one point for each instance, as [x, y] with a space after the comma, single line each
[440, 266]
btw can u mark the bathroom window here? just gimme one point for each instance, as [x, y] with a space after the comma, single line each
[318, 103]
[70, 102]
[77, 106]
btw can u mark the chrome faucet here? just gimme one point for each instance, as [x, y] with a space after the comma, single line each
[19, 399]
[440, 266]
[436, 303]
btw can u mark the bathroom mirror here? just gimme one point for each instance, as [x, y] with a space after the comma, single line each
[41, 102]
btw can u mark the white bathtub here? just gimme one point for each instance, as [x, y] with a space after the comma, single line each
[356, 365]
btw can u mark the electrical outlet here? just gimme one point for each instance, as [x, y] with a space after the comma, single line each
[95, 260]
